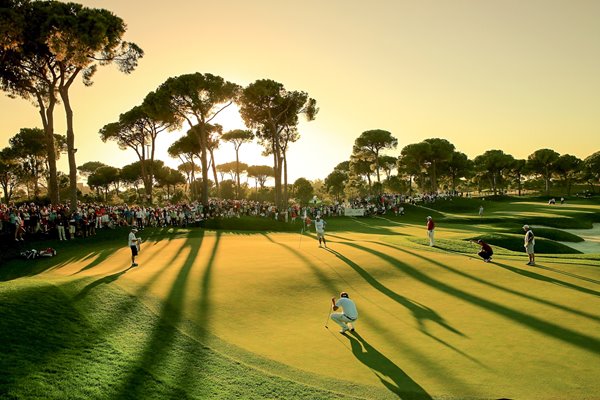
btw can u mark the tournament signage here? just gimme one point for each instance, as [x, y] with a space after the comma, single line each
[354, 212]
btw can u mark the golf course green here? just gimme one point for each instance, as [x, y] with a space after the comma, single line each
[230, 314]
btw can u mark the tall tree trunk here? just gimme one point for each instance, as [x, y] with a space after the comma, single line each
[277, 174]
[214, 169]
[47, 114]
[204, 163]
[433, 177]
[237, 172]
[285, 181]
[377, 166]
[64, 94]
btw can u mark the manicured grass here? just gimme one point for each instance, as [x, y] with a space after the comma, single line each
[241, 314]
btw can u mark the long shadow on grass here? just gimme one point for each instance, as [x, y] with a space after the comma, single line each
[543, 278]
[420, 312]
[547, 328]
[333, 285]
[390, 375]
[558, 271]
[106, 280]
[157, 350]
[495, 286]
[184, 378]
[99, 259]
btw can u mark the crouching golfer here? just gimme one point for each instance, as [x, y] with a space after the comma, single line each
[486, 251]
[347, 318]
[133, 245]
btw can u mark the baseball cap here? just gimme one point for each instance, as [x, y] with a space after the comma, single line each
[525, 226]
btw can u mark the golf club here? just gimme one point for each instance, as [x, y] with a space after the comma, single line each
[327, 320]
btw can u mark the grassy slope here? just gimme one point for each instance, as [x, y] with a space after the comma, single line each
[212, 315]
[84, 350]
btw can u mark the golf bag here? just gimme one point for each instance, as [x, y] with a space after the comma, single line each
[49, 252]
[29, 254]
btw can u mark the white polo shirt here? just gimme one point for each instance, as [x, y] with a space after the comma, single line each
[132, 239]
[348, 306]
[320, 226]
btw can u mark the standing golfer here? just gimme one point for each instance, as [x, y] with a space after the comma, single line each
[133, 245]
[320, 228]
[486, 251]
[430, 230]
[347, 318]
[529, 244]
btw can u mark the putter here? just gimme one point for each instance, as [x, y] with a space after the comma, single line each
[327, 320]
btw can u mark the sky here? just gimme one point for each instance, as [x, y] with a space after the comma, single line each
[514, 75]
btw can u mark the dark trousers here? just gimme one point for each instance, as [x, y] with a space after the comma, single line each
[485, 254]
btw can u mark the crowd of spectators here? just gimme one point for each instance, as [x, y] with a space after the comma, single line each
[60, 222]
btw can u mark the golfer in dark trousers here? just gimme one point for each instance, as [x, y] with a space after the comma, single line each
[486, 251]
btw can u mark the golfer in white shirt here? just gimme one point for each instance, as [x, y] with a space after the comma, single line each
[320, 228]
[347, 318]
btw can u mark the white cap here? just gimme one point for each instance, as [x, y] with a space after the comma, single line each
[429, 217]
[525, 226]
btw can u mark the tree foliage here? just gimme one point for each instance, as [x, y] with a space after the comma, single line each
[373, 142]
[273, 112]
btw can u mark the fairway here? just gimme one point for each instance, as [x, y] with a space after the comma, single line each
[433, 323]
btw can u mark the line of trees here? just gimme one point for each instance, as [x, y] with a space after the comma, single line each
[425, 165]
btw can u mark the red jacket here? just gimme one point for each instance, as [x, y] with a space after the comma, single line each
[430, 225]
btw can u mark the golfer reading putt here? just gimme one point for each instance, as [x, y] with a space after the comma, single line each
[347, 318]
[486, 251]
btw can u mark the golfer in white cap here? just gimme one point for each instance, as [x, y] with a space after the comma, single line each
[133, 241]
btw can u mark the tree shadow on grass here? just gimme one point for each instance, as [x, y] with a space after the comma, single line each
[105, 280]
[333, 285]
[153, 359]
[202, 312]
[558, 271]
[495, 286]
[543, 278]
[566, 335]
[99, 259]
[420, 312]
[390, 375]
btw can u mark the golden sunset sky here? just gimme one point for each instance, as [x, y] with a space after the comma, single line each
[515, 75]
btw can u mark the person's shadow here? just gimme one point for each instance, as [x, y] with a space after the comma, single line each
[392, 377]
